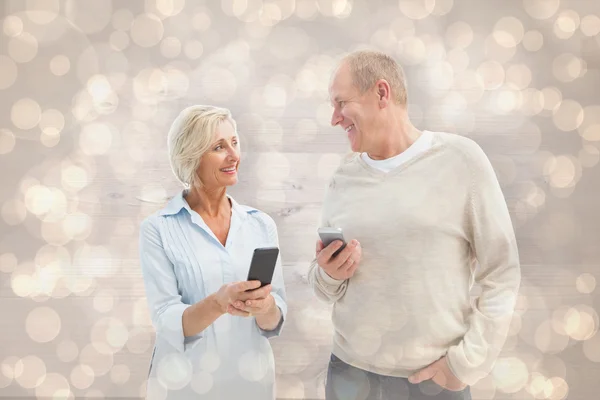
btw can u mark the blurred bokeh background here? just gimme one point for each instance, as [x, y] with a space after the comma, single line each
[88, 89]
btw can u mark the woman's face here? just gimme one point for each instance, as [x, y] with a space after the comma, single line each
[219, 165]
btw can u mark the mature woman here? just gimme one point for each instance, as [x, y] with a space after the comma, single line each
[212, 325]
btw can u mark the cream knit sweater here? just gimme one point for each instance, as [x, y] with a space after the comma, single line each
[427, 229]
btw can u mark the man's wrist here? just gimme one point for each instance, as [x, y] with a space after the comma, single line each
[328, 279]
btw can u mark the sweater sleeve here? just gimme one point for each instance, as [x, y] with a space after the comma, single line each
[493, 244]
[325, 287]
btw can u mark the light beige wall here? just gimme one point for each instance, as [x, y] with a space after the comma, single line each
[88, 90]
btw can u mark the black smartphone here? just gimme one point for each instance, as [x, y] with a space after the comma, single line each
[262, 266]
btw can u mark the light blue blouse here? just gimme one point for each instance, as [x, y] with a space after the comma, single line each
[183, 262]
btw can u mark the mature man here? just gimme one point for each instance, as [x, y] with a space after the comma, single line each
[427, 218]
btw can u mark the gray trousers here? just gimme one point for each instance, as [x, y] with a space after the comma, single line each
[345, 382]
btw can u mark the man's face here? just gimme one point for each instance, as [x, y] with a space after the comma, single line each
[355, 112]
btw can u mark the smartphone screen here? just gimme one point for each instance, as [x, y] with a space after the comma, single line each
[263, 264]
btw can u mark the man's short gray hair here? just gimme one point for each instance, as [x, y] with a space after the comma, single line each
[190, 136]
[368, 66]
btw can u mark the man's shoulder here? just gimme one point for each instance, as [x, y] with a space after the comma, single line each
[462, 146]
[349, 157]
[346, 161]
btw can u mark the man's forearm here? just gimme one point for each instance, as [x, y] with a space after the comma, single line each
[325, 287]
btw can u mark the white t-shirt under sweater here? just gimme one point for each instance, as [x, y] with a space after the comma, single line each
[420, 145]
[427, 228]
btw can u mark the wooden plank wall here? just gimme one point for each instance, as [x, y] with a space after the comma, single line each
[107, 168]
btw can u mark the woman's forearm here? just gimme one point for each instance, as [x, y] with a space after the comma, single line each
[200, 316]
[270, 320]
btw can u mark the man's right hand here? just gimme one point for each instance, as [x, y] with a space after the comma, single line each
[342, 266]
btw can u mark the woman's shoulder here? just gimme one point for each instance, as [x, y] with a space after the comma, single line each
[261, 218]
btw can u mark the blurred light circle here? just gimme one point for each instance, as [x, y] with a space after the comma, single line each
[25, 113]
[492, 74]
[590, 25]
[122, 19]
[60, 65]
[541, 9]
[120, 374]
[42, 11]
[147, 30]
[219, 84]
[8, 72]
[508, 31]
[459, 34]
[170, 47]
[100, 363]
[518, 76]
[585, 283]
[95, 138]
[552, 98]
[497, 52]
[7, 141]
[412, 50]
[567, 67]
[109, 335]
[174, 371]
[54, 386]
[417, 9]
[510, 374]
[67, 351]
[23, 48]
[90, 16]
[591, 348]
[12, 26]
[566, 24]
[193, 49]
[119, 40]
[139, 341]
[52, 119]
[201, 21]
[29, 372]
[43, 324]
[589, 156]
[533, 40]
[82, 377]
[8, 262]
[38, 199]
[568, 116]
[590, 127]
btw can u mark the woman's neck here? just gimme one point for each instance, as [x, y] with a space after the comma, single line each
[210, 203]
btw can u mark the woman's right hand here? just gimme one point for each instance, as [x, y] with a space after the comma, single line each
[230, 292]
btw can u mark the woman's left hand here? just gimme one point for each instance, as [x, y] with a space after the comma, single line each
[257, 304]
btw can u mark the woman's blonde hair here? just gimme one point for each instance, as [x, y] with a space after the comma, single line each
[190, 136]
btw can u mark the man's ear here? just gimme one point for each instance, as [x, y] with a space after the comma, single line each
[383, 93]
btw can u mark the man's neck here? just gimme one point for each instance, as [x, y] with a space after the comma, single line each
[393, 139]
